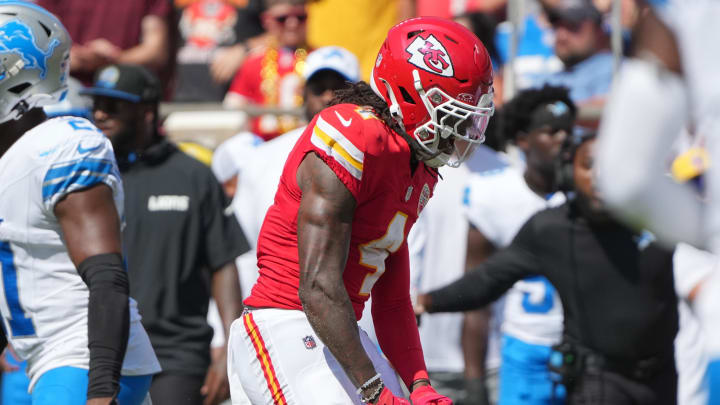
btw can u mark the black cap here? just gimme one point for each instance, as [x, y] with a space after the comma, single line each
[574, 10]
[132, 83]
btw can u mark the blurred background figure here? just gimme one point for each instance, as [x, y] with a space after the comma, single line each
[178, 238]
[498, 202]
[359, 26]
[271, 76]
[214, 41]
[535, 57]
[582, 43]
[616, 285]
[668, 84]
[109, 31]
[230, 156]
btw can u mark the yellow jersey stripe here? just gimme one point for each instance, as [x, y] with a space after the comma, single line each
[337, 147]
[333, 132]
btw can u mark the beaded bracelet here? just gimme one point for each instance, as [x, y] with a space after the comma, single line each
[368, 383]
[370, 399]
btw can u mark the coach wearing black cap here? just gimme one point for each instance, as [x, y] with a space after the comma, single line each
[180, 245]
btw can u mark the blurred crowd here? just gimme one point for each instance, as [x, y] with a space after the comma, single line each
[252, 52]
[285, 58]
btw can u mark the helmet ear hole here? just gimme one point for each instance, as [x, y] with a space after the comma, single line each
[17, 89]
[413, 33]
[45, 28]
[406, 95]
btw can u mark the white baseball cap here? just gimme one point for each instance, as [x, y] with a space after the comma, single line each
[334, 58]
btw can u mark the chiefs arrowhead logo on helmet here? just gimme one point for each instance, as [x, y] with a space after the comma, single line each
[430, 55]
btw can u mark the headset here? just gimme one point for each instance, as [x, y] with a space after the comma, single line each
[564, 164]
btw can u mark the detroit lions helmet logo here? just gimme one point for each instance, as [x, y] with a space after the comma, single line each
[17, 38]
[430, 55]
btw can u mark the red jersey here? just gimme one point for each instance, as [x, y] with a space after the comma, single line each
[282, 87]
[374, 164]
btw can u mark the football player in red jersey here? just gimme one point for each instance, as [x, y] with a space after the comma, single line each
[351, 189]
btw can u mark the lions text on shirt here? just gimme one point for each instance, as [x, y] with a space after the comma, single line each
[498, 203]
[44, 301]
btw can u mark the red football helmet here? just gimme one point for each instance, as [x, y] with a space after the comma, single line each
[436, 76]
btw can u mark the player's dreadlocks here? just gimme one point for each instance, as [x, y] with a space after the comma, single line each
[516, 114]
[362, 94]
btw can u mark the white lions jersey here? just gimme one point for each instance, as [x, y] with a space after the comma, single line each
[498, 203]
[44, 301]
[437, 244]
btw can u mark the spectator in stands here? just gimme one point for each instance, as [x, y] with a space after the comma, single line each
[272, 75]
[110, 31]
[535, 57]
[359, 26]
[213, 37]
[582, 44]
[179, 242]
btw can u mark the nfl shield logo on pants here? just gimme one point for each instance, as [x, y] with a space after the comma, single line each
[309, 342]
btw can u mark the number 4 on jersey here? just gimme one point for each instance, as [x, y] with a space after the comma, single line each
[374, 253]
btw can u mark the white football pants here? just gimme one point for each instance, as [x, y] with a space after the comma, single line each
[274, 357]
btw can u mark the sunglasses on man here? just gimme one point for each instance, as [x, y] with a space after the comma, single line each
[283, 18]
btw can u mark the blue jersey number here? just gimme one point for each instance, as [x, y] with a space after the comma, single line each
[546, 303]
[20, 325]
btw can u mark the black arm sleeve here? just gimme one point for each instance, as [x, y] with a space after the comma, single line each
[108, 321]
[491, 279]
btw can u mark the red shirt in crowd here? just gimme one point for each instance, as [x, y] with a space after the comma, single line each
[271, 78]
